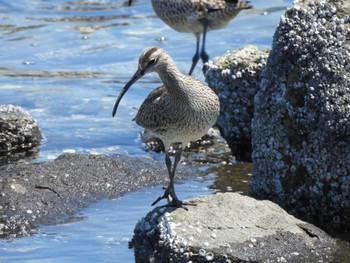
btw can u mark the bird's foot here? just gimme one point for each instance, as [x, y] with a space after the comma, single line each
[165, 195]
[179, 203]
[176, 203]
[170, 195]
[173, 201]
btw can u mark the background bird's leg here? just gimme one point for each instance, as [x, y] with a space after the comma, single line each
[204, 55]
[196, 55]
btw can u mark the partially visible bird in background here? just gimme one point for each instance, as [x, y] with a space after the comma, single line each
[198, 17]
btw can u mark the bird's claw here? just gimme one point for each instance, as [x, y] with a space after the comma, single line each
[166, 195]
[172, 201]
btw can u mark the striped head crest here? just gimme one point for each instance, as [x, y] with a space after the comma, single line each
[152, 58]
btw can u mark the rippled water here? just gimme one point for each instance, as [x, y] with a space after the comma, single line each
[66, 61]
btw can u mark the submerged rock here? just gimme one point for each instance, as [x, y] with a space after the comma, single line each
[301, 125]
[228, 228]
[20, 134]
[235, 77]
[44, 193]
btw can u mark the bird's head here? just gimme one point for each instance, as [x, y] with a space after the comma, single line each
[151, 60]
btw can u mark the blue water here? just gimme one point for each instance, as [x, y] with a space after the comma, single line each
[65, 62]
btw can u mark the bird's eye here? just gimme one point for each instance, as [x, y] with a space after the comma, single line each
[152, 62]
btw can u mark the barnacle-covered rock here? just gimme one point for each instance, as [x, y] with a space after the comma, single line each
[19, 133]
[228, 227]
[301, 125]
[235, 77]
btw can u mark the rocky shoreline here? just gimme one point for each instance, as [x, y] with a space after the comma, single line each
[288, 109]
[292, 115]
[32, 194]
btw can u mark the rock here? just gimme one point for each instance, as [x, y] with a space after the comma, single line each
[42, 193]
[20, 134]
[228, 228]
[156, 145]
[301, 125]
[235, 77]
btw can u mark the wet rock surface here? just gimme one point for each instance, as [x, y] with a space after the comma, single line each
[228, 228]
[20, 134]
[301, 126]
[45, 193]
[235, 77]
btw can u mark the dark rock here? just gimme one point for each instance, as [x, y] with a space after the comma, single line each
[20, 134]
[235, 77]
[228, 228]
[44, 193]
[301, 126]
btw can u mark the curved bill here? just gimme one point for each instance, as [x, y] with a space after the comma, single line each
[138, 74]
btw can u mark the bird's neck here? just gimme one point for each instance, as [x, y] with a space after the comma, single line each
[173, 80]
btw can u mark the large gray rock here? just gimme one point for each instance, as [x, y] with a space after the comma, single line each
[235, 77]
[301, 125]
[228, 228]
[42, 193]
[20, 134]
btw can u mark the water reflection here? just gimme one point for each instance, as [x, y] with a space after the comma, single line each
[232, 177]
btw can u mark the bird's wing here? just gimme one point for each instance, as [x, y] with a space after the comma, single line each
[208, 6]
[153, 112]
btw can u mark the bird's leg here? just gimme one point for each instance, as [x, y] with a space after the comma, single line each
[169, 192]
[196, 55]
[204, 55]
[174, 201]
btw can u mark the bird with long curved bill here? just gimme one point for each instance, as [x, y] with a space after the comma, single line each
[182, 110]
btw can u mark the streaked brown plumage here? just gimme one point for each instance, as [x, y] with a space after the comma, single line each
[180, 111]
[197, 17]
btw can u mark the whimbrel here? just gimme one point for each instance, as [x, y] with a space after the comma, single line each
[197, 17]
[180, 111]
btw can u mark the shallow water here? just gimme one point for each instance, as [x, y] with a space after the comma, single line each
[66, 61]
